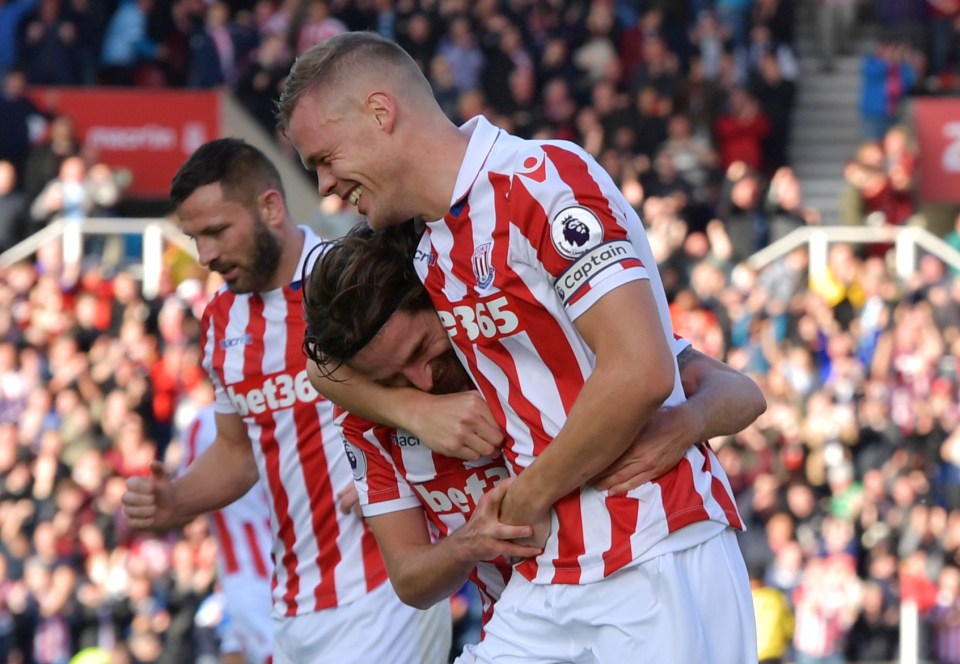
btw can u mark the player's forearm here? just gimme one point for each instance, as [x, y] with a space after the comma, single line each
[720, 401]
[426, 573]
[219, 476]
[356, 393]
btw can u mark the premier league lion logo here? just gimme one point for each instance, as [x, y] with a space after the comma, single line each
[574, 231]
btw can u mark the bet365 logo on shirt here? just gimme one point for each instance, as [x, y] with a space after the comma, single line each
[481, 320]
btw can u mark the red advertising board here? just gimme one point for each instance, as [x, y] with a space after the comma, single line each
[149, 132]
[937, 128]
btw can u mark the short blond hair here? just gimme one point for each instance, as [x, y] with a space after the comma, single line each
[333, 60]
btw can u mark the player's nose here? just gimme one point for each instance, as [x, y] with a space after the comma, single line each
[326, 181]
[206, 251]
[420, 376]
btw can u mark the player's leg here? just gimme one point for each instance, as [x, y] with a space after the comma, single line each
[528, 627]
[693, 605]
[376, 628]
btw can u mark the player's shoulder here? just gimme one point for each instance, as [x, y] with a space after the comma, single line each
[535, 161]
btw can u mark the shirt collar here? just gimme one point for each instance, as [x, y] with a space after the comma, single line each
[482, 137]
[310, 242]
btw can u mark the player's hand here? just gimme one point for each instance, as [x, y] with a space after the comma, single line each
[349, 501]
[518, 510]
[458, 425]
[659, 447]
[148, 501]
[485, 537]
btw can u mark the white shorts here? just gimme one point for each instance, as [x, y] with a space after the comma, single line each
[378, 628]
[249, 627]
[689, 606]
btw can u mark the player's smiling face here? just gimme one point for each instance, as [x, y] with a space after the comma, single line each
[231, 238]
[413, 350]
[346, 148]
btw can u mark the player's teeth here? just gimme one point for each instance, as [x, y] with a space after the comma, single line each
[355, 195]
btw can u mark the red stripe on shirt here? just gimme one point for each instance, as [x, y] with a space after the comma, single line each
[259, 564]
[192, 433]
[573, 170]
[624, 515]
[682, 504]
[720, 493]
[225, 543]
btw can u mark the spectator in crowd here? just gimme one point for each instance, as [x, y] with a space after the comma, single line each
[945, 617]
[784, 205]
[77, 192]
[11, 13]
[21, 119]
[127, 43]
[943, 32]
[13, 207]
[214, 49]
[775, 95]
[49, 46]
[741, 129]
[260, 82]
[774, 619]
[46, 156]
[836, 22]
[888, 74]
[317, 25]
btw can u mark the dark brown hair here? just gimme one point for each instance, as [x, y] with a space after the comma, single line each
[242, 170]
[356, 284]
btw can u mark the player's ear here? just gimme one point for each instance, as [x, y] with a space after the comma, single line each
[382, 108]
[272, 208]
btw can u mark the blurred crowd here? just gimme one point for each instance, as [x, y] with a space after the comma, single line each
[849, 483]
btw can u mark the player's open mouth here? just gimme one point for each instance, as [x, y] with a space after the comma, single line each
[354, 195]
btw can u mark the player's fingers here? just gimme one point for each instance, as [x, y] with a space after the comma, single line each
[139, 490]
[607, 480]
[140, 511]
[519, 551]
[481, 446]
[489, 432]
[140, 524]
[506, 532]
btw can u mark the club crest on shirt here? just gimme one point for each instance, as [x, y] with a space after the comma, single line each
[483, 268]
[357, 459]
[574, 231]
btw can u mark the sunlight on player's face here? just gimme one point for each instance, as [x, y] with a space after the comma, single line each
[413, 350]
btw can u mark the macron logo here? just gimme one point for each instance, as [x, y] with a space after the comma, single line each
[244, 340]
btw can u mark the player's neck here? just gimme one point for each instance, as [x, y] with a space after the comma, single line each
[292, 244]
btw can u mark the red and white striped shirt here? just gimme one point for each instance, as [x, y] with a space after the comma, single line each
[394, 471]
[537, 233]
[242, 528]
[253, 352]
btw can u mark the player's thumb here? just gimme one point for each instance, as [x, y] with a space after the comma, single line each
[157, 472]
